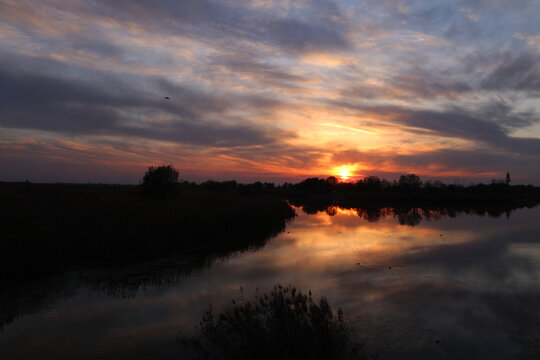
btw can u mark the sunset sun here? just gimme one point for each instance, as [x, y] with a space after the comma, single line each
[344, 172]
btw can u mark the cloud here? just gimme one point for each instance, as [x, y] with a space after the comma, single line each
[520, 73]
[477, 74]
[474, 125]
[325, 30]
[263, 74]
[409, 87]
[489, 124]
[97, 104]
[250, 82]
[298, 36]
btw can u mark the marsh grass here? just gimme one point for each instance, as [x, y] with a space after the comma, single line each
[282, 324]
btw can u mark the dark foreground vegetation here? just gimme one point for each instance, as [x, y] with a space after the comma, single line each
[282, 324]
[46, 228]
[117, 239]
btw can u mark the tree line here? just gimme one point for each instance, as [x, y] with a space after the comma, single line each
[163, 180]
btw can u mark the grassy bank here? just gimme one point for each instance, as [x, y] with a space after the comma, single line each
[47, 228]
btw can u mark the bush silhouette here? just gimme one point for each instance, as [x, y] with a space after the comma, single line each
[284, 324]
[160, 180]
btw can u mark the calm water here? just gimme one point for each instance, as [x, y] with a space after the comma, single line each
[447, 287]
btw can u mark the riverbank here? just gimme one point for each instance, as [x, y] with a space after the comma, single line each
[49, 227]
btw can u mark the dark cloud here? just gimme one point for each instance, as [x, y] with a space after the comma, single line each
[483, 22]
[452, 123]
[428, 86]
[202, 134]
[260, 72]
[510, 72]
[490, 124]
[474, 125]
[410, 87]
[521, 73]
[325, 30]
[306, 37]
[476, 160]
[101, 105]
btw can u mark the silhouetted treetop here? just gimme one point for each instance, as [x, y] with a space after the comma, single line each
[332, 180]
[160, 180]
[410, 182]
[370, 183]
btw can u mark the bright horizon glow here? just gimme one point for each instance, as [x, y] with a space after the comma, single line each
[344, 175]
[344, 172]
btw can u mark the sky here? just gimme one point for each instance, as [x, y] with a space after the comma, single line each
[270, 90]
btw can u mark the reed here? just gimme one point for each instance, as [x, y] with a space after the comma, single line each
[282, 324]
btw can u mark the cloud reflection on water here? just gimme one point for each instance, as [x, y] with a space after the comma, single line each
[475, 289]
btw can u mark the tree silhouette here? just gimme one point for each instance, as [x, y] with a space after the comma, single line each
[410, 182]
[372, 183]
[160, 180]
[332, 180]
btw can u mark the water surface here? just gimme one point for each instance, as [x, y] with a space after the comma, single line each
[416, 284]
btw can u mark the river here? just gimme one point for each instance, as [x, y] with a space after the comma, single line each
[415, 284]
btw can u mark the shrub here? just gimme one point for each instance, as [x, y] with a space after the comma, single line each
[284, 324]
[160, 180]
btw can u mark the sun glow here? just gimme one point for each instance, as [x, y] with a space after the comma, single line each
[345, 172]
